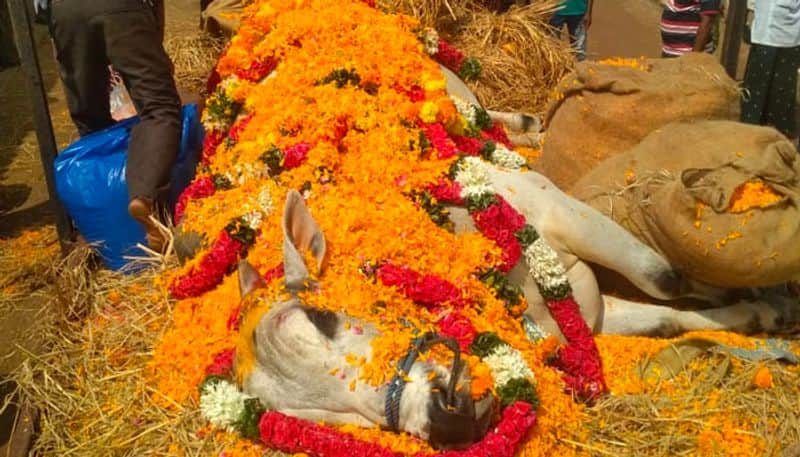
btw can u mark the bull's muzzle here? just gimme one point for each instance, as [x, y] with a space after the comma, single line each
[461, 424]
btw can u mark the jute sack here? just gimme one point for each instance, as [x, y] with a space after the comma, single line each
[603, 109]
[718, 199]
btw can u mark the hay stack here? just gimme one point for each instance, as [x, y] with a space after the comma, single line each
[521, 62]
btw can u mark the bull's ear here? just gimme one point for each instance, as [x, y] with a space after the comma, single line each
[300, 233]
[249, 279]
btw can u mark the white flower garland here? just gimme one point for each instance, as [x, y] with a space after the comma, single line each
[507, 158]
[430, 39]
[506, 364]
[465, 108]
[264, 207]
[473, 177]
[545, 266]
[221, 403]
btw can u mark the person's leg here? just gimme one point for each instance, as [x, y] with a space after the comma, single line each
[557, 22]
[83, 65]
[577, 36]
[133, 43]
[782, 99]
[757, 80]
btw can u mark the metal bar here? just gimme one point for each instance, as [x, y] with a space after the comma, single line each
[26, 46]
[734, 31]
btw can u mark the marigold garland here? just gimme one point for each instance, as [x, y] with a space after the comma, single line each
[357, 146]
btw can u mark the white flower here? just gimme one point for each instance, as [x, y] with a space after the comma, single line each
[221, 403]
[465, 108]
[253, 219]
[533, 330]
[473, 177]
[431, 41]
[507, 158]
[544, 265]
[264, 201]
[506, 364]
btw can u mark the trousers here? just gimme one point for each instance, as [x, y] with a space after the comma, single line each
[91, 34]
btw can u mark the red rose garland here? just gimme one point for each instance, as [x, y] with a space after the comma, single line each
[292, 435]
[296, 155]
[457, 326]
[425, 290]
[499, 222]
[497, 134]
[449, 56]
[257, 70]
[222, 364]
[440, 140]
[238, 127]
[210, 143]
[214, 265]
[467, 145]
[199, 188]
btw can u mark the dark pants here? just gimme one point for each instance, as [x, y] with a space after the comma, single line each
[577, 33]
[91, 34]
[770, 84]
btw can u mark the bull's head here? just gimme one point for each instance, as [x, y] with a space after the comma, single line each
[292, 357]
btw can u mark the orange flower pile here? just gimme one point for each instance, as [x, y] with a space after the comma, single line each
[753, 194]
[364, 211]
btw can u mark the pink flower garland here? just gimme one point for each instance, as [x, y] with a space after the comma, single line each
[446, 191]
[199, 188]
[292, 435]
[296, 155]
[579, 359]
[211, 141]
[222, 364]
[499, 222]
[440, 140]
[467, 145]
[425, 290]
[212, 268]
[449, 56]
[455, 325]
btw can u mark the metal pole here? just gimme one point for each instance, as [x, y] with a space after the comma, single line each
[734, 30]
[21, 22]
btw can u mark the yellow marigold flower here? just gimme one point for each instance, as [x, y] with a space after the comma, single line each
[433, 85]
[428, 112]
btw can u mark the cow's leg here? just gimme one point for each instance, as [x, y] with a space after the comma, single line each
[574, 227]
[771, 313]
[518, 122]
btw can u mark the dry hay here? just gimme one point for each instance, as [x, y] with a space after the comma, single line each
[194, 56]
[712, 408]
[521, 62]
[89, 380]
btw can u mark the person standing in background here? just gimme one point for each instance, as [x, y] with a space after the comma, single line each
[770, 81]
[687, 26]
[577, 15]
[88, 36]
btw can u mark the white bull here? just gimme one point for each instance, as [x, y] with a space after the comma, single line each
[296, 346]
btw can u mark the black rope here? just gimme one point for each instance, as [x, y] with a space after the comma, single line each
[398, 383]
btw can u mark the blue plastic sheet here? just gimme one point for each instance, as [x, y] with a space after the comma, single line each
[90, 181]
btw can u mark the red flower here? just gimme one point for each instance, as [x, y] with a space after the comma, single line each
[210, 271]
[239, 126]
[438, 137]
[446, 191]
[233, 319]
[458, 327]
[499, 222]
[497, 134]
[274, 273]
[449, 56]
[213, 81]
[579, 359]
[210, 143]
[199, 188]
[414, 93]
[222, 364]
[296, 155]
[257, 70]
[425, 290]
[467, 145]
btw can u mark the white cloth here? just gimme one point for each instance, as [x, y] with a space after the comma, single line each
[776, 23]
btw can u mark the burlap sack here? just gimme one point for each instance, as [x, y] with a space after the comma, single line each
[654, 189]
[608, 109]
